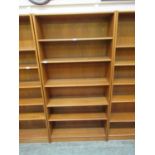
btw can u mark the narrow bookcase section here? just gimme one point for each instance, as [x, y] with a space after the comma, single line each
[32, 125]
[78, 82]
[123, 84]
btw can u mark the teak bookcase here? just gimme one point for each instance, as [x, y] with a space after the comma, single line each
[77, 76]
[32, 117]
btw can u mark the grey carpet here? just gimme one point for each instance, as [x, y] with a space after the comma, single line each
[121, 147]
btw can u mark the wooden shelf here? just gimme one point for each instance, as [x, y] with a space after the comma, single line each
[30, 84]
[124, 81]
[121, 133]
[66, 133]
[31, 116]
[125, 63]
[31, 102]
[85, 101]
[72, 60]
[123, 98]
[28, 66]
[77, 82]
[122, 117]
[26, 49]
[77, 117]
[75, 39]
[33, 135]
[125, 46]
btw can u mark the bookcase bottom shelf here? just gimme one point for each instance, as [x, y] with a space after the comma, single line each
[122, 133]
[77, 134]
[33, 135]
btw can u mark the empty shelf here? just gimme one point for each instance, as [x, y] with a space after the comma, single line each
[77, 117]
[28, 66]
[85, 101]
[30, 84]
[124, 81]
[30, 135]
[77, 82]
[72, 60]
[78, 133]
[123, 98]
[75, 39]
[31, 102]
[125, 63]
[31, 116]
[123, 117]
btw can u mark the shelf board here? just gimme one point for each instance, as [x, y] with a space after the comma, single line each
[78, 133]
[123, 99]
[77, 82]
[77, 117]
[33, 135]
[125, 81]
[28, 66]
[121, 133]
[30, 84]
[27, 49]
[31, 116]
[76, 60]
[75, 39]
[125, 46]
[31, 102]
[122, 117]
[125, 63]
[81, 101]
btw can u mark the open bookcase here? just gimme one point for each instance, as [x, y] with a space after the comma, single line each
[86, 66]
[33, 125]
[123, 82]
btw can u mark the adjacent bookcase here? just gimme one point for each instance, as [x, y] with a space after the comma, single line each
[81, 68]
[32, 118]
[122, 120]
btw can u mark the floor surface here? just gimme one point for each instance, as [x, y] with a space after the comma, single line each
[123, 147]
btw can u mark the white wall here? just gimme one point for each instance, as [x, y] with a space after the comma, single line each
[70, 6]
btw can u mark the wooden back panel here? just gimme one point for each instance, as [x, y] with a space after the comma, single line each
[74, 26]
[124, 90]
[28, 75]
[27, 58]
[77, 70]
[77, 92]
[78, 124]
[126, 29]
[75, 49]
[125, 72]
[31, 93]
